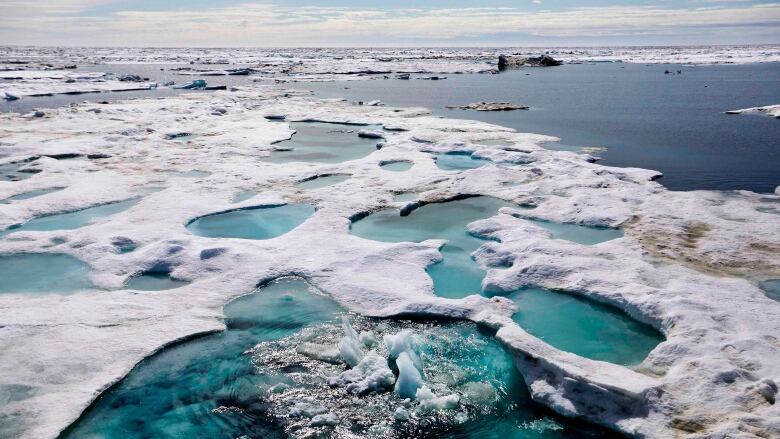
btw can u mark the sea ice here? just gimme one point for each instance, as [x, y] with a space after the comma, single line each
[430, 401]
[370, 375]
[409, 378]
[350, 345]
[769, 110]
[688, 263]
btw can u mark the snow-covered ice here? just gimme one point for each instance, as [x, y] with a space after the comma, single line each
[688, 264]
[768, 110]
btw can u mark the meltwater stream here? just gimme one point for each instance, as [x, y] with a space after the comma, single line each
[267, 376]
[567, 322]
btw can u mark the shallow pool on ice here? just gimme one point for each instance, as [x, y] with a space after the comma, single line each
[583, 327]
[207, 387]
[771, 288]
[30, 194]
[13, 171]
[566, 322]
[322, 181]
[323, 143]
[396, 165]
[261, 222]
[70, 220]
[42, 273]
[154, 282]
[458, 161]
[263, 377]
[458, 275]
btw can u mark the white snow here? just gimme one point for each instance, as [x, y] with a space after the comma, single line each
[768, 110]
[688, 263]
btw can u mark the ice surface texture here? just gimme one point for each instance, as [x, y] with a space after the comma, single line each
[688, 263]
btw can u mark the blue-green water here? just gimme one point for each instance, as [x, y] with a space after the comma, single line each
[214, 387]
[31, 194]
[154, 282]
[397, 165]
[771, 288]
[586, 328]
[458, 161]
[671, 123]
[323, 143]
[11, 171]
[458, 275]
[70, 220]
[263, 222]
[567, 322]
[174, 393]
[323, 181]
[42, 273]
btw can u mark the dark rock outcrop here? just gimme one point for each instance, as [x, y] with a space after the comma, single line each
[489, 106]
[512, 61]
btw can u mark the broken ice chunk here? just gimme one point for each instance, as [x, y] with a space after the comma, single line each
[370, 375]
[349, 346]
[409, 378]
[401, 414]
[429, 400]
[403, 341]
[368, 338]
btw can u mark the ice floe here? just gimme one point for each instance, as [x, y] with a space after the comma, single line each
[769, 110]
[688, 264]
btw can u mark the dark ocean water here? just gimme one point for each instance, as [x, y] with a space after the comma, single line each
[671, 123]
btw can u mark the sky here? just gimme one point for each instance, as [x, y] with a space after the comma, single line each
[386, 23]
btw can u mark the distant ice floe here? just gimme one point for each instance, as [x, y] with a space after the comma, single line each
[689, 263]
[769, 110]
[305, 61]
[19, 83]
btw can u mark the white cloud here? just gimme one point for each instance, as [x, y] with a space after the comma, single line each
[270, 25]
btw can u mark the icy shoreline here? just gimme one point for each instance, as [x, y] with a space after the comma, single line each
[687, 265]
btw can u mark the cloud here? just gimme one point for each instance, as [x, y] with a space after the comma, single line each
[257, 24]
